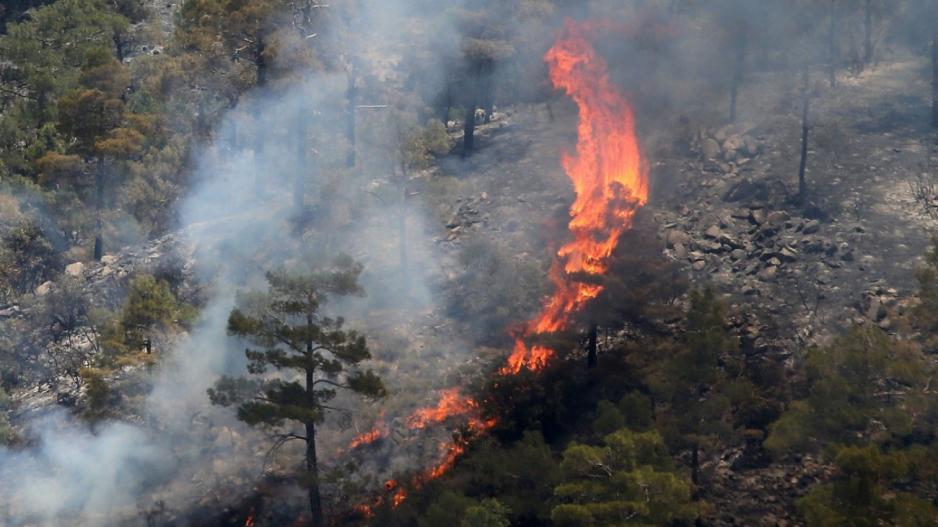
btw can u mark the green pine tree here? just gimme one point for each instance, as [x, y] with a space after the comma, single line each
[294, 337]
[629, 480]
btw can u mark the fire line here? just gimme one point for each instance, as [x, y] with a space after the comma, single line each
[610, 183]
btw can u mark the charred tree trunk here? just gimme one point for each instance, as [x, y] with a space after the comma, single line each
[258, 148]
[805, 107]
[352, 97]
[119, 51]
[446, 103]
[469, 128]
[260, 59]
[402, 231]
[832, 45]
[737, 73]
[99, 182]
[488, 97]
[591, 357]
[868, 33]
[312, 463]
[302, 165]
[474, 95]
[934, 80]
[695, 464]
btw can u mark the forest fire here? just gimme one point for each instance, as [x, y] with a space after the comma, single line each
[452, 402]
[608, 178]
[610, 183]
[367, 438]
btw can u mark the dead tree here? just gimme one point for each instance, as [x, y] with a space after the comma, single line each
[934, 79]
[832, 45]
[737, 71]
[805, 107]
[591, 345]
[868, 33]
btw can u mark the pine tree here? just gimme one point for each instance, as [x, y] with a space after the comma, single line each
[629, 480]
[295, 337]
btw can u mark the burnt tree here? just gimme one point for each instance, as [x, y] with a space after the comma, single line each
[934, 79]
[867, 32]
[832, 45]
[805, 129]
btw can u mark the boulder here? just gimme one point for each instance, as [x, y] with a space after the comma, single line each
[769, 273]
[730, 147]
[677, 237]
[75, 269]
[710, 148]
[44, 288]
[713, 232]
[757, 216]
[811, 227]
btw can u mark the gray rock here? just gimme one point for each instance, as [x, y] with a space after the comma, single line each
[710, 246]
[75, 269]
[777, 218]
[757, 216]
[812, 227]
[875, 311]
[679, 250]
[710, 148]
[769, 273]
[788, 255]
[713, 232]
[44, 288]
[677, 237]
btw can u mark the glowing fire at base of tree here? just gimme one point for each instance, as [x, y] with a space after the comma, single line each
[608, 177]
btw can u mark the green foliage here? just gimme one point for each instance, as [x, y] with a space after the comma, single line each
[608, 419]
[865, 386]
[637, 411]
[292, 334]
[860, 494]
[629, 480]
[521, 475]
[27, 259]
[925, 315]
[489, 513]
[691, 379]
[420, 145]
[447, 506]
[150, 308]
[99, 397]
[6, 431]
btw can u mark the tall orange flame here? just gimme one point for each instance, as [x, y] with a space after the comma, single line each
[608, 178]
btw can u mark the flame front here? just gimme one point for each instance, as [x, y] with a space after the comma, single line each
[608, 178]
[451, 403]
[610, 185]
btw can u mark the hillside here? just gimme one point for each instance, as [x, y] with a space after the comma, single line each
[472, 263]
